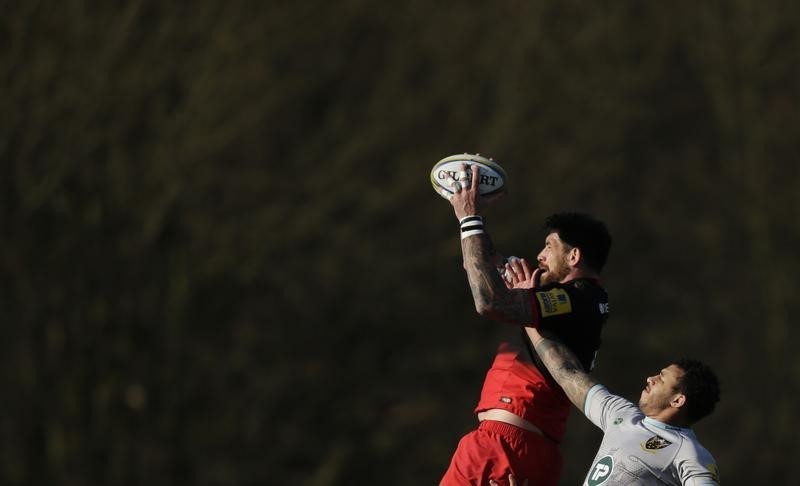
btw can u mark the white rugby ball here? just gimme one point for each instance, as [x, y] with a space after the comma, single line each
[492, 177]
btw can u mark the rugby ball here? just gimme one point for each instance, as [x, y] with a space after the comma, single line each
[492, 177]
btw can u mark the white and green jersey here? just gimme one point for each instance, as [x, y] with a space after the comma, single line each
[637, 450]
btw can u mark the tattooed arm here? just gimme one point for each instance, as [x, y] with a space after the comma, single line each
[493, 299]
[563, 365]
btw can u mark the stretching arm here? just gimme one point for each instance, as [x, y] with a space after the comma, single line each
[493, 299]
[563, 365]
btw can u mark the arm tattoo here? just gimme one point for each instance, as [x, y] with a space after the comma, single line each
[564, 366]
[492, 298]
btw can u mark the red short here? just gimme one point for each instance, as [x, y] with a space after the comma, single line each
[496, 450]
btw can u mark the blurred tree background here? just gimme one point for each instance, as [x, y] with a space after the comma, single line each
[221, 261]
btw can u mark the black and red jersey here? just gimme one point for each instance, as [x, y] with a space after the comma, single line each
[575, 311]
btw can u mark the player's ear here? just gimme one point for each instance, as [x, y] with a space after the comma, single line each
[574, 256]
[678, 400]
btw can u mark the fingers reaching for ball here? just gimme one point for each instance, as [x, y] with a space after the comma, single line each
[462, 168]
[459, 182]
[520, 274]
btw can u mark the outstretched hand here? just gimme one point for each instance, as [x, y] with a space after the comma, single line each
[466, 198]
[520, 274]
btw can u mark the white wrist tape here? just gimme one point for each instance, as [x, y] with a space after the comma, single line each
[471, 225]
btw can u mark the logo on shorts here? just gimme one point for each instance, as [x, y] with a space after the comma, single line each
[601, 471]
[654, 443]
[618, 421]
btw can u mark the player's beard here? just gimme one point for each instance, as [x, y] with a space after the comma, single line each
[554, 273]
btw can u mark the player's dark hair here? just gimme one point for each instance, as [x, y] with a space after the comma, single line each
[701, 387]
[584, 232]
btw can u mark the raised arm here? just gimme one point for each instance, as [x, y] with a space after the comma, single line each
[492, 297]
[563, 365]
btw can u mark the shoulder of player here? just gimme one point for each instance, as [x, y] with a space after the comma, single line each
[577, 286]
[625, 411]
[691, 446]
[586, 284]
[692, 459]
[581, 291]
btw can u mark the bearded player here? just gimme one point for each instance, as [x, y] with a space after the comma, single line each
[522, 411]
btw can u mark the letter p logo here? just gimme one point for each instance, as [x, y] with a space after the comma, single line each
[601, 471]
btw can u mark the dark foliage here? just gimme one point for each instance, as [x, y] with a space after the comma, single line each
[221, 262]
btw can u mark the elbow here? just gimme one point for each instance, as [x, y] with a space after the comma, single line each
[488, 309]
[493, 304]
[483, 308]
